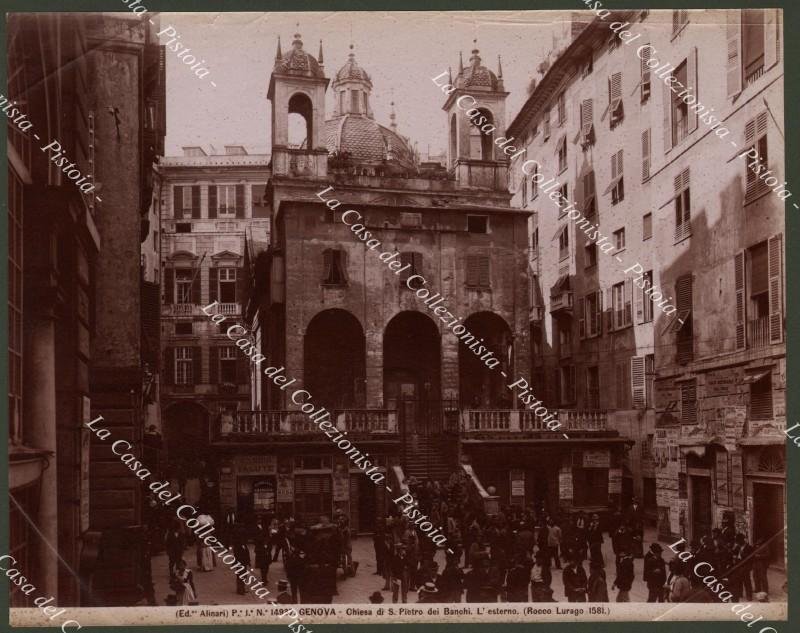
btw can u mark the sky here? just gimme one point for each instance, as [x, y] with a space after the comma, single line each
[400, 50]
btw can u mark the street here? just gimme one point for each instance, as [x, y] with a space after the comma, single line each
[219, 586]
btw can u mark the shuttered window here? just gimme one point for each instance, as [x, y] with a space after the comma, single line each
[478, 271]
[546, 125]
[638, 393]
[587, 122]
[615, 99]
[680, 18]
[644, 82]
[761, 398]
[562, 109]
[617, 185]
[741, 309]
[646, 154]
[683, 206]
[775, 270]
[755, 141]
[689, 402]
[647, 226]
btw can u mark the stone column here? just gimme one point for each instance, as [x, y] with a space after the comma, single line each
[39, 431]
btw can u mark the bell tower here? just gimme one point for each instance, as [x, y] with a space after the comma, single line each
[297, 88]
[476, 118]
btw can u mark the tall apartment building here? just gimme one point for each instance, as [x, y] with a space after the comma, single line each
[701, 386]
[210, 203]
[75, 310]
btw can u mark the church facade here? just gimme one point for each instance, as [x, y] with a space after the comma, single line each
[357, 333]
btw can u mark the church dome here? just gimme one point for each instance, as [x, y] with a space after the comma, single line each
[366, 141]
[351, 71]
[297, 61]
[476, 75]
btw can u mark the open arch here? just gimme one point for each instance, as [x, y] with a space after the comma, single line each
[411, 365]
[481, 144]
[335, 359]
[479, 385]
[301, 117]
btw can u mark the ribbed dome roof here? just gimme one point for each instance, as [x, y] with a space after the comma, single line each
[297, 61]
[352, 71]
[365, 140]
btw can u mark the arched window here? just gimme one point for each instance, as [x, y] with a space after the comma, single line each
[481, 143]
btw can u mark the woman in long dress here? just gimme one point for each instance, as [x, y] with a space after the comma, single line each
[206, 555]
[185, 591]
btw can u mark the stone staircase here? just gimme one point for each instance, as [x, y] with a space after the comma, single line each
[426, 457]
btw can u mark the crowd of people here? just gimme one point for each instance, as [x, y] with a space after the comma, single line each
[509, 556]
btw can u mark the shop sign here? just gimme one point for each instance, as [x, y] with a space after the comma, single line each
[597, 459]
[256, 464]
[517, 483]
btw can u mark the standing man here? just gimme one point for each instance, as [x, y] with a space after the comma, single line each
[554, 541]
[624, 580]
[654, 573]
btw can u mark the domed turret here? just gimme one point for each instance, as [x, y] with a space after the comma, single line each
[297, 61]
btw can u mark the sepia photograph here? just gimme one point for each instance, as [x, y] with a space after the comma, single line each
[316, 317]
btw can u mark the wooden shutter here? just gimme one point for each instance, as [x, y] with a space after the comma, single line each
[239, 201]
[734, 37]
[177, 201]
[197, 364]
[169, 286]
[212, 201]
[609, 309]
[626, 311]
[613, 167]
[169, 366]
[615, 88]
[637, 382]
[195, 201]
[242, 286]
[683, 293]
[689, 402]
[484, 276]
[213, 365]
[666, 107]
[619, 163]
[644, 82]
[587, 118]
[775, 268]
[598, 314]
[195, 298]
[646, 154]
[581, 318]
[741, 310]
[639, 300]
[691, 77]
[212, 285]
[771, 38]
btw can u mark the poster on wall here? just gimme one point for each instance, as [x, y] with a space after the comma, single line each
[341, 487]
[285, 489]
[615, 481]
[565, 483]
[517, 478]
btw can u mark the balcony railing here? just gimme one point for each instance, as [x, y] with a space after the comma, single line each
[524, 420]
[277, 423]
[561, 301]
[182, 309]
[228, 308]
[758, 333]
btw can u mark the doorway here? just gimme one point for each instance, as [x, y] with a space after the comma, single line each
[702, 521]
[366, 502]
[768, 520]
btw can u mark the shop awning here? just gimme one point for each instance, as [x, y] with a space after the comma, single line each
[749, 379]
[562, 284]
